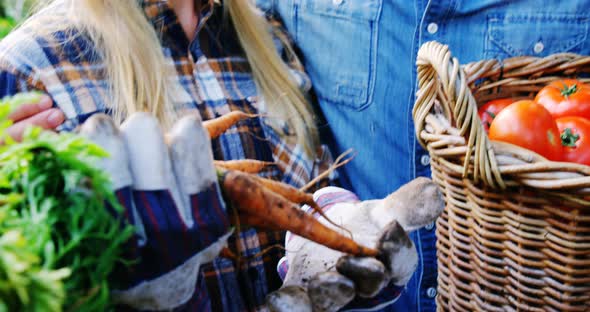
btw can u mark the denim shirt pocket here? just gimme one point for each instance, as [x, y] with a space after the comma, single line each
[538, 34]
[339, 40]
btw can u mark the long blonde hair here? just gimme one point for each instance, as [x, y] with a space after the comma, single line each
[133, 58]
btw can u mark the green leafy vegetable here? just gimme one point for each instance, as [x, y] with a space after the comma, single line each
[61, 227]
[24, 285]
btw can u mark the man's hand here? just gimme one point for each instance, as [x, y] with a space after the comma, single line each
[39, 114]
[322, 279]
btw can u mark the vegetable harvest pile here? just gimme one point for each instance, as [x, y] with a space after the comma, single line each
[556, 124]
[62, 230]
[271, 205]
[60, 238]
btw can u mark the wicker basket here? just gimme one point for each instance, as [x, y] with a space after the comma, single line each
[515, 234]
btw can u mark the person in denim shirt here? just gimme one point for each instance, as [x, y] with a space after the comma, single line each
[360, 55]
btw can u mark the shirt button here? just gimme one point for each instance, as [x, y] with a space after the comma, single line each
[432, 28]
[337, 2]
[539, 47]
[425, 160]
[431, 292]
[430, 226]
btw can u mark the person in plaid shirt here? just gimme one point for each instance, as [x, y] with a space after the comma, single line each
[171, 64]
[212, 75]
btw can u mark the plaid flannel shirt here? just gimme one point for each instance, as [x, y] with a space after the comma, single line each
[213, 76]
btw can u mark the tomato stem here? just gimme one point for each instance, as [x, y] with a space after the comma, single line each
[568, 138]
[491, 114]
[567, 91]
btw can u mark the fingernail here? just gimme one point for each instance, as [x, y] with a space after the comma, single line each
[45, 102]
[56, 118]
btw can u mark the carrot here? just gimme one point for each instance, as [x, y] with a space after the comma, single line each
[256, 222]
[243, 165]
[287, 191]
[219, 125]
[339, 162]
[254, 199]
[294, 195]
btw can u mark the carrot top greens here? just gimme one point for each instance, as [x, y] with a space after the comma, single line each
[61, 227]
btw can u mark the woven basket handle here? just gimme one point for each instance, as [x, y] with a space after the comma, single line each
[442, 80]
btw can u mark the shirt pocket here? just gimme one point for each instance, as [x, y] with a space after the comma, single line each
[540, 34]
[338, 39]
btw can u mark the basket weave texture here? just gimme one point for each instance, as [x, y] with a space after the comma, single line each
[515, 233]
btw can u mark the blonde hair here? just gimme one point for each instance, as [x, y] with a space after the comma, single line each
[131, 52]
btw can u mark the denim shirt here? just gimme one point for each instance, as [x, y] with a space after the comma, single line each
[361, 55]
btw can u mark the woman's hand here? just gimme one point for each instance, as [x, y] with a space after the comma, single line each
[167, 184]
[41, 114]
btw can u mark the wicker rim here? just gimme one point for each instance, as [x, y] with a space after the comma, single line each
[444, 95]
[515, 234]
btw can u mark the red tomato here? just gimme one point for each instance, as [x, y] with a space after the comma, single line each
[489, 110]
[529, 125]
[567, 97]
[575, 137]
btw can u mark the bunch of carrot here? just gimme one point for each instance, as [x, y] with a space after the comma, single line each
[272, 205]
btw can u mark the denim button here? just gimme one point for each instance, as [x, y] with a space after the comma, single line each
[430, 226]
[432, 28]
[539, 47]
[431, 292]
[425, 160]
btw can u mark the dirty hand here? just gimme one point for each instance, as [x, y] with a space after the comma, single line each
[322, 279]
[168, 186]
